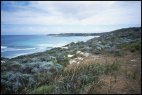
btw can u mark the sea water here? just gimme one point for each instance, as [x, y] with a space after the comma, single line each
[15, 45]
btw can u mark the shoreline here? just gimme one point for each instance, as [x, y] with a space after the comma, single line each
[30, 53]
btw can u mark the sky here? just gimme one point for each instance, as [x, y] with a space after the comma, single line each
[53, 17]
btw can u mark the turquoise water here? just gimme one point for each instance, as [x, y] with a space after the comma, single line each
[15, 45]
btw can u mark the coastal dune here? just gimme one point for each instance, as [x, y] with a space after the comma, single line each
[108, 64]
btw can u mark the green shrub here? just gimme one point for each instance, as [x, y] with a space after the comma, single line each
[43, 59]
[65, 62]
[135, 47]
[132, 47]
[119, 53]
[111, 68]
[51, 52]
[46, 89]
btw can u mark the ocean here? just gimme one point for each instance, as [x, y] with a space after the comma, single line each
[16, 45]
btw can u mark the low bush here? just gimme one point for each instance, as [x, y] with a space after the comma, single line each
[132, 47]
[46, 89]
[73, 81]
[111, 68]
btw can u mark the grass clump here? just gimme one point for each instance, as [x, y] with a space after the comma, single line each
[46, 89]
[63, 61]
[119, 53]
[73, 81]
[111, 68]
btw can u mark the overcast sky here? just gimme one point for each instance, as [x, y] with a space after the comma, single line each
[45, 17]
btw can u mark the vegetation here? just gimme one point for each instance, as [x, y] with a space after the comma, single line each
[76, 34]
[47, 89]
[75, 80]
[109, 64]
[111, 68]
[132, 47]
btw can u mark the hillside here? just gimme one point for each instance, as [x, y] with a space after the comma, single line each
[109, 64]
[76, 34]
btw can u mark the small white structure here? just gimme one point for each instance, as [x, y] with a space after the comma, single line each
[133, 60]
[69, 55]
[2, 61]
[64, 47]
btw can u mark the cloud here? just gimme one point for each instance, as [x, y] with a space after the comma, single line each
[70, 13]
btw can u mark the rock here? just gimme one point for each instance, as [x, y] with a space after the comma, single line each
[78, 52]
[72, 61]
[79, 58]
[76, 60]
[85, 54]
